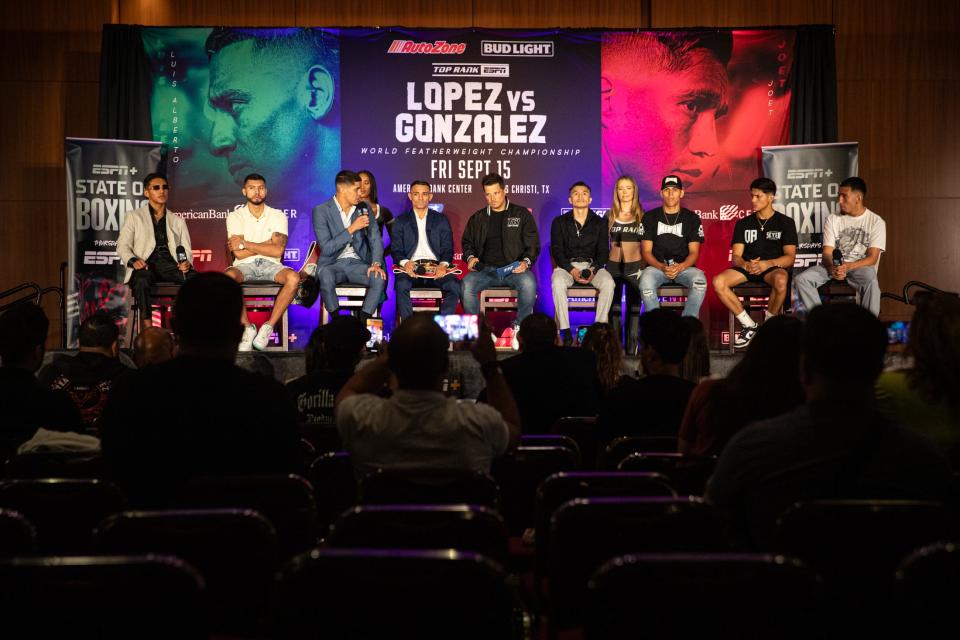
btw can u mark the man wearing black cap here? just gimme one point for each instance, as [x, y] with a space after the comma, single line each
[671, 245]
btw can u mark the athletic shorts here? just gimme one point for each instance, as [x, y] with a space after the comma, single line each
[758, 277]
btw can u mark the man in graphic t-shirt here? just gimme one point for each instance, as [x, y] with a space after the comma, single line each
[672, 236]
[763, 249]
[860, 235]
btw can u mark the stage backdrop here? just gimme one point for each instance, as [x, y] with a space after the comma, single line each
[543, 109]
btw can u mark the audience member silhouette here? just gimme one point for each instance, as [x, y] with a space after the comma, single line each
[152, 346]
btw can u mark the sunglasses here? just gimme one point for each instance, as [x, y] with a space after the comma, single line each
[158, 187]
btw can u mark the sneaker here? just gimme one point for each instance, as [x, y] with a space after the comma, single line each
[744, 337]
[246, 342]
[262, 341]
[515, 338]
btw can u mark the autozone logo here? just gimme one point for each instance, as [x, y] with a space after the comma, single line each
[439, 47]
[292, 255]
[517, 48]
[100, 257]
[804, 174]
[202, 255]
[111, 169]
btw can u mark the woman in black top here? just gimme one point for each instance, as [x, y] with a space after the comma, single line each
[625, 228]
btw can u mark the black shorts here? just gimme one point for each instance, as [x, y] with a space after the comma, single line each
[756, 278]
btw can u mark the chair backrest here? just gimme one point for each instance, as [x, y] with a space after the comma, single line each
[704, 596]
[550, 440]
[520, 473]
[622, 446]
[114, 597]
[64, 512]
[928, 581]
[67, 464]
[429, 486]
[561, 488]
[235, 550]
[463, 527]
[334, 485]
[344, 594]
[860, 541]
[17, 534]
[687, 473]
[583, 431]
[586, 532]
[285, 500]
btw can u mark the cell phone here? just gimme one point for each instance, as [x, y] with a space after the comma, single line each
[462, 327]
[582, 333]
[375, 327]
[898, 332]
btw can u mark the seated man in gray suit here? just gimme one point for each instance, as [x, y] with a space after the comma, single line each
[351, 249]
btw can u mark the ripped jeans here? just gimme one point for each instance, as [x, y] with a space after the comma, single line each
[691, 278]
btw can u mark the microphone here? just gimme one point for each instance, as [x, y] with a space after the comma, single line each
[837, 257]
[362, 209]
[182, 257]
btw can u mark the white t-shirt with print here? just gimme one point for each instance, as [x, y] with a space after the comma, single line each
[240, 222]
[854, 235]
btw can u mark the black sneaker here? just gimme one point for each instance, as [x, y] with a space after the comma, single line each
[744, 337]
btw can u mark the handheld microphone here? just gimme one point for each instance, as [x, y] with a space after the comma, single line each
[837, 257]
[362, 209]
[182, 257]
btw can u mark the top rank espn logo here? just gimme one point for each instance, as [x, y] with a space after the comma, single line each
[440, 47]
[110, 169]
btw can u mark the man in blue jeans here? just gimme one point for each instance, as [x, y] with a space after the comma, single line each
[672, 236]
[498, 236]
[350, 247]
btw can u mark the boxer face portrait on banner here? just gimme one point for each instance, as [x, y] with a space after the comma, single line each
[661, 95]
[269, 97]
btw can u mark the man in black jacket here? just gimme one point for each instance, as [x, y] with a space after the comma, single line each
[498, 236]
[578, 244]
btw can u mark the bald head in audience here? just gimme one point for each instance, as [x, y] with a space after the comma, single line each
[152, 346]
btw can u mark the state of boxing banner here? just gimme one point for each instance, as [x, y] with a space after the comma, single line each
[808, 178]
[104, 182]
[542, 109]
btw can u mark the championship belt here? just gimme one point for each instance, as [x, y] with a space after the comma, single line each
[427, 269]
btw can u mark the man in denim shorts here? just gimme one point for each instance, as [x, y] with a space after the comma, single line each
[257, 236]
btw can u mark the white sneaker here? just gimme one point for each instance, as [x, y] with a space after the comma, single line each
[262, 341]
[246, 342]
[515, 338]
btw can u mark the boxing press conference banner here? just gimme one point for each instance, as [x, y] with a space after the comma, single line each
[543, 109]
[808, 178]
[104, 182]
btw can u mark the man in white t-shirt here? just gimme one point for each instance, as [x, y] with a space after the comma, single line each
[257, 236]
[852, 244]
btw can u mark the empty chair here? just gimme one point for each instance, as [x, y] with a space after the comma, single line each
[62, 464]
[563, 487]
[520, 473]
[235, 551]
[104, 597]
[17, 534]
[429, 486]
[550, 440]
[350, 594]
[285, 500]
[463, 527]
[622, 446]
[856, 546]
[64, 512]
[653, 596]
[334, 485]
[687, 473]
[928, 581]
[586, 532]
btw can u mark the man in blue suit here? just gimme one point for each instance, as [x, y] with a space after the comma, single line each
[423, 236]
[350, 247]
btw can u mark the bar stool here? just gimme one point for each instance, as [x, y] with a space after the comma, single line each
[351, 297]
[753, 295]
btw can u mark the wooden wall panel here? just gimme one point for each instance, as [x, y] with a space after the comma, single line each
[738, 13]
[509, 14]
[32, 139]
[173, 12]
[386, 13]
